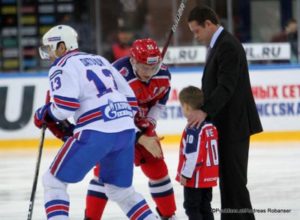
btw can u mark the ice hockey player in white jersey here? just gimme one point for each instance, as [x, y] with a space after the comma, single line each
[87, 88]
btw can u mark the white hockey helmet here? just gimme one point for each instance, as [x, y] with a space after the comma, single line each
[57, 34]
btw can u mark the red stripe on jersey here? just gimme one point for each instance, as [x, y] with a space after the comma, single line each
[67, 103]
[89, 117]
[57, 208]
[139, 212]
[133, 103]
[61, 155]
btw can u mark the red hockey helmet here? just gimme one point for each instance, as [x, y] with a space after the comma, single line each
[146, 51]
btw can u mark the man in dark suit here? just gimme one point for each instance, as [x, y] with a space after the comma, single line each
[229, 103]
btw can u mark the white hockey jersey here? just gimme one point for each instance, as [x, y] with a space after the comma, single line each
[89, 89]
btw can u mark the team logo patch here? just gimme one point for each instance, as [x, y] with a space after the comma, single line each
[124, 71]
[54, 39]
[115, 110]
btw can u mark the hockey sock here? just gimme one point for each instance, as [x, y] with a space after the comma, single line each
[131, 202]
[57, 209]
[163, 196]
[56, 198]
[95, 201]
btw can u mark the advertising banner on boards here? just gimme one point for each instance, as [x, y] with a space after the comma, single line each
[276, 92]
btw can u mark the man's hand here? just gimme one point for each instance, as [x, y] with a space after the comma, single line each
[41, 116]
[196, 118]
[182, 180]
[144, 123]
[60, 129]
[152, 144]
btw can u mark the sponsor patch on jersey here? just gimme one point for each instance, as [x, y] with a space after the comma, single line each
[124, 71]
[115, 110]
[54, 39]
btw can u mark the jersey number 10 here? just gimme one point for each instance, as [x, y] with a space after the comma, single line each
[212, 157]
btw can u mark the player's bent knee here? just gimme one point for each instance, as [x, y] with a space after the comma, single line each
[51, 182]
[155, 171]
[118, 194]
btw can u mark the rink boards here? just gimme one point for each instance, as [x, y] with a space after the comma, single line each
[276, 90]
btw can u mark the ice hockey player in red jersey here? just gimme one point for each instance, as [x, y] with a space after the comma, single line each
[150, 81]
[198, 159]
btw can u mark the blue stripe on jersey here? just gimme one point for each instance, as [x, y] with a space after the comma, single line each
[55, 202]
[56, 213]
[67, 54]
[163, 194]
[66, 98]
[89, 117]
[130, 99]
[70, 104]
[57, 72]
[66, 108]
[135, 108]
[99, 186]
[97, 194]
[135, 208]
[60, 58]
[94, 182]
[64, 63]
[133, 103]
[160, 183]
[144, 215]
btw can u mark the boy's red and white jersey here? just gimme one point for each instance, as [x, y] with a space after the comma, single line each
[198, 156]
[148, 94]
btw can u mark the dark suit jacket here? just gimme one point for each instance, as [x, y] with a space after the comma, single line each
[227, 91]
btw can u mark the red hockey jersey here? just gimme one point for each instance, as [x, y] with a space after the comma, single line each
[148, 94]
[198, 156]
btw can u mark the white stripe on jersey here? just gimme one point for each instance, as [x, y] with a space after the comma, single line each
[96, 188]
[159, 189]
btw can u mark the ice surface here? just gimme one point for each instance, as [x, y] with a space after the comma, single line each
[273, 181]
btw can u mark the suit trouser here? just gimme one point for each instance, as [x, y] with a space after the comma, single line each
[235, 198]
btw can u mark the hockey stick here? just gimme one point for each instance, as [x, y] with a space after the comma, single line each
[37, 166]
[174, 26]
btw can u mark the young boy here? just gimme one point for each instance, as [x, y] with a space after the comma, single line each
[198, 159]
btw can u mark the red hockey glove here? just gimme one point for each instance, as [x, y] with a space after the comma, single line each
[42, 116]
[60, 129]
[145, 124]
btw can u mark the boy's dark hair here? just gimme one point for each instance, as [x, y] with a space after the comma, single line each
[192, 96]
[203, 13]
